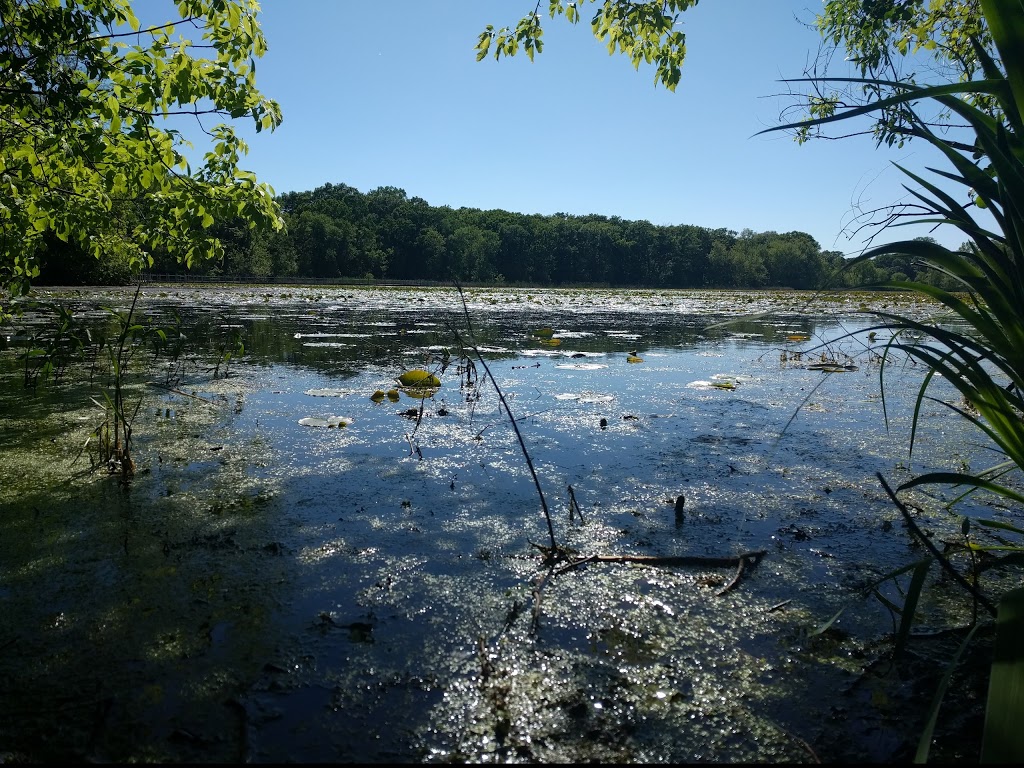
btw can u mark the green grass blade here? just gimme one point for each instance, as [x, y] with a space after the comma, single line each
[910, 605]
[1003, 740]
[924, 744]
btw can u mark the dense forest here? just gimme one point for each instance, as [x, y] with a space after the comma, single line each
[338, 232]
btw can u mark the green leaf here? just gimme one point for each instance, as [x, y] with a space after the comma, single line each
[1003, 739]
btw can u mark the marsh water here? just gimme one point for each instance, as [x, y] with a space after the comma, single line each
[301, 571]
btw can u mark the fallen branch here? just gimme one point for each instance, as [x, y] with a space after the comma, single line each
[753, 558]
[185, 394]
[554, 555]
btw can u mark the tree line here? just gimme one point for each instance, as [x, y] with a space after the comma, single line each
[338, 232]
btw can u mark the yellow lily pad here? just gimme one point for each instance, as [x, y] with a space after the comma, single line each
[393, 395]
[634, 359]
[798, 337]
[419, 378]
[546, 333]
[723, 385]
[378, 396]
[550, 342]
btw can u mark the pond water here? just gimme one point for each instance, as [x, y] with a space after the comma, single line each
[300, 571]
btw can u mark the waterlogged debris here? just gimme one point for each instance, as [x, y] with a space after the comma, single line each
[330, 422]
[582, 366]
[832, 367]
[419, 378]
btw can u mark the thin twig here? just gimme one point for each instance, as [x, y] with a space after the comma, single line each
[512, 421]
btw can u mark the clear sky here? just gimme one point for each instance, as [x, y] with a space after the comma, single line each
[391, 94]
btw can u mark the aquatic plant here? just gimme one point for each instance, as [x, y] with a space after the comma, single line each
[54, 347]
[983, 355]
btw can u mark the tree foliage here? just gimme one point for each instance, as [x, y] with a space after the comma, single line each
[91, 144]
[890, 44]
[647, 32]
[337, 232]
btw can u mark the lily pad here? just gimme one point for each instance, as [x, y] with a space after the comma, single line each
[419, 378]
[545, 333]
[330, 422]
[327, 392]
[378, 396]
[634, 359]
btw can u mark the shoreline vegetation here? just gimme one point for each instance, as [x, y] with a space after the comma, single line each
[337, 234]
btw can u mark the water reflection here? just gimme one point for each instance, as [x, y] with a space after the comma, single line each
[366, 591]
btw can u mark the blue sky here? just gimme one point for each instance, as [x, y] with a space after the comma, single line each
[391, 94]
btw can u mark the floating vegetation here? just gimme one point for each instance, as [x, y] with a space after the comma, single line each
[544, 333]
[585, 397]
[393, 395]
[718, 381]
[536, 352]
[329, 392]
[634, 359]
[797, 337]
[378, 396]
[419, 378]
[330, 422]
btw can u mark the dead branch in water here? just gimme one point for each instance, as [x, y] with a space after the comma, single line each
[741, 562]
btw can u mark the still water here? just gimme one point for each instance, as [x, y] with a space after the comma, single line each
[301, 571]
